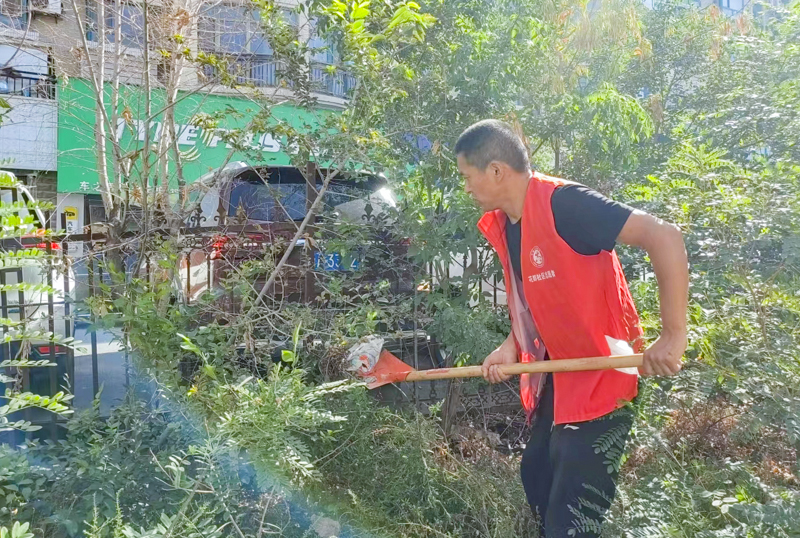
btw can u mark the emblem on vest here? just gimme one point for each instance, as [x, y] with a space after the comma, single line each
[537, 258]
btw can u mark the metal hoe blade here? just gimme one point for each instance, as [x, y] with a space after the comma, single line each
[388, 369]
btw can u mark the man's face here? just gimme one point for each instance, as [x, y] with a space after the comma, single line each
[480, 184]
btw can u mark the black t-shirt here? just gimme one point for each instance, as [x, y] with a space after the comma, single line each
[585, 219]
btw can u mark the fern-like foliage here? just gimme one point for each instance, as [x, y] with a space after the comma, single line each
[30, 287]
[612, 445]
[15, 225]
[275, 420]
[15, 207]
[585, 521]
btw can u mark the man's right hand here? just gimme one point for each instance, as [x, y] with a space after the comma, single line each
[505, 354]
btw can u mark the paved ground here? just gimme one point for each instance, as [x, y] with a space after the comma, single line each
[111, 369]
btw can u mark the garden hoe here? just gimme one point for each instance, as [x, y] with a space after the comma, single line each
[377, 366]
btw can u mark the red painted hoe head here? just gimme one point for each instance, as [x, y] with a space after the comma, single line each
[375, 365]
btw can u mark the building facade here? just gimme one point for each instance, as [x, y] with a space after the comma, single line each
[50, 52]
[28, 130]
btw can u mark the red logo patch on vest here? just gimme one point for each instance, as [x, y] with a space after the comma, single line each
[537, 258]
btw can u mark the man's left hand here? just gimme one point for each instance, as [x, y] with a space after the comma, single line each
[664, 356]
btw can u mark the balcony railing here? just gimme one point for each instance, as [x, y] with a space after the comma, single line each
[339, 83]
[259, 71]
[264, 71]
[16, 84]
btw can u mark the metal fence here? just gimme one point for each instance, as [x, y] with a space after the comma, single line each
[260, 71]
[206, 257]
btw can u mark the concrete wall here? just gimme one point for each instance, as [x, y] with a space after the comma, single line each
[28, 130]
[28, 134]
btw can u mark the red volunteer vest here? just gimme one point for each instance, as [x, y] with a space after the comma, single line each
[575, 301]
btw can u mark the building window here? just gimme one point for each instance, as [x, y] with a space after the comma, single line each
[14, 14]
[234, 33]
[731, 7]
[129, 16]
[326, 69]
[224, 29]
[321, 51]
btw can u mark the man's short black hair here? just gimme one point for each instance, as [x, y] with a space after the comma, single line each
[492, 140]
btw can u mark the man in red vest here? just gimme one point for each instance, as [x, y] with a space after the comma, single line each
[568, 298]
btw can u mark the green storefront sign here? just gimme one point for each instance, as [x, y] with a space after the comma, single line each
[202, 150]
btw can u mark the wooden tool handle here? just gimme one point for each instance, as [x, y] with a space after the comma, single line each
[560, 365]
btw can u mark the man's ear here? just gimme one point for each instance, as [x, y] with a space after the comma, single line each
[495, 170]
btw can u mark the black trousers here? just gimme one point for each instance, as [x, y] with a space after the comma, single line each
[569, 471]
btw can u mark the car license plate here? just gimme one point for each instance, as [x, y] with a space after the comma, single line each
[335, 262]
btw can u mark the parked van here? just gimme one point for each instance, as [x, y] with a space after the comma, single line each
[273, 198]
[252, 209]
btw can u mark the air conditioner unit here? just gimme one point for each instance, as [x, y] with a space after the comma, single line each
[52, 7]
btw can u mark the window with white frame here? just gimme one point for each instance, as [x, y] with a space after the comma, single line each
[321, 51]
[128, 16]
[14, 14]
